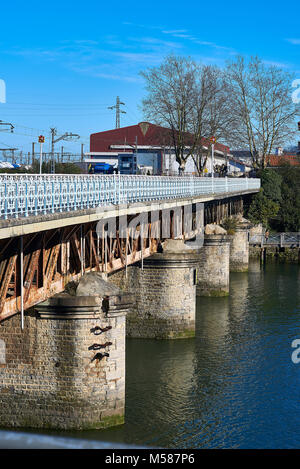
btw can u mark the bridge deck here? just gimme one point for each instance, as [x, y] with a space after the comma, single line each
[48, 226]
[29, 200]
[21, 226]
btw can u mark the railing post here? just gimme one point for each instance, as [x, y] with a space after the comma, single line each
[45, 198]
[281, 239]
[75, 195]
[16, 201]
[94, 193]
[35, 198]
[5, 200]
[52, 190]
[60, 196]
[68, 195]
[88, 193]
[26, 199]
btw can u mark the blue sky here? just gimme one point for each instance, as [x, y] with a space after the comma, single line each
[64, 62]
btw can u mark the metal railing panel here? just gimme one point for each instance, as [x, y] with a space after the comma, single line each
[23, 195]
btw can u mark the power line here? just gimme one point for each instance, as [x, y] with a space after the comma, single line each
[59, 104]
[2, 143]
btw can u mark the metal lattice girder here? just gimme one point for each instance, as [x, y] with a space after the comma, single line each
[52, 259]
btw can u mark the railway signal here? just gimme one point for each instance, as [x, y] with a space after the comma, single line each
[41, 141]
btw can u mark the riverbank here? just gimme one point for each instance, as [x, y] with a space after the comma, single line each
[273, 253]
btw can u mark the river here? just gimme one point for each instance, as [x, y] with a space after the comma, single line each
[234, 385]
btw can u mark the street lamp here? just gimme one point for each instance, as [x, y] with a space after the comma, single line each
[212, 141]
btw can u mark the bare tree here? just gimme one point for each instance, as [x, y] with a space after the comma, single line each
[264, 111]
[170, 101]
[190, 100]
[179, 95]
[206, 91]
[217, 118]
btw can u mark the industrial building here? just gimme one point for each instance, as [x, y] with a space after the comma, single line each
[146, 148]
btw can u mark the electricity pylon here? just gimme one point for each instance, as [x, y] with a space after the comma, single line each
[118, 111]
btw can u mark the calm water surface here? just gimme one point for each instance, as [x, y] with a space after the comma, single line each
[234, 385]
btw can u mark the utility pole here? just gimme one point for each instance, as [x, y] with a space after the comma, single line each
[41, 142]
[53, 133]
[33, 144]
[65, 136]
[118, 111]
[82, 154]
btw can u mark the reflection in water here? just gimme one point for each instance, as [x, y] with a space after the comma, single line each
[234, 385]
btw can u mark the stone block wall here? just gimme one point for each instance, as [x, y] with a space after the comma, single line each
[52, 380]
[239, 250]
[213, 266]
[165, 295]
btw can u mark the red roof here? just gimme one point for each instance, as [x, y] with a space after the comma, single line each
[143, 133]
[278, 160]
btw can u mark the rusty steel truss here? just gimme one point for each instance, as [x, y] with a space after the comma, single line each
[36, 266]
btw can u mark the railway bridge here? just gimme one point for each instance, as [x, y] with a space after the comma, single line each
[72, 245]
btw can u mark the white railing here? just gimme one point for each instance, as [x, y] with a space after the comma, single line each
[22, 195]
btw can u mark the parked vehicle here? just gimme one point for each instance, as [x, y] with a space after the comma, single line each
[102, 168]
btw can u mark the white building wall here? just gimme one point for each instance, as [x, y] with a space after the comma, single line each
[172, 166]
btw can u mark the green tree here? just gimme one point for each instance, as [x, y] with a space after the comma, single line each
[262, 210]
[288, 218]
[271, 183]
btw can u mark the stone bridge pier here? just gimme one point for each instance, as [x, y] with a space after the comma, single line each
[213, 266]
[239, 249]
[67, 369]
[165, 291]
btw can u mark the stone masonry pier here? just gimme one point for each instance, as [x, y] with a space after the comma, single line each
[239, 249]
[67, 370]
[165, 290]
[213, 266]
